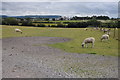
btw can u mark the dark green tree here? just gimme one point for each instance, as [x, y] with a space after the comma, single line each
[10, 21]
[94, 22]
[27, 22]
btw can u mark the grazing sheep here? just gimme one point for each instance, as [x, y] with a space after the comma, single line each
[94, 28]
[101, 29]
[105, 37]
[116, 28]
[106, 30]
[97, 28]
[88, 40]
[18, 30]
[86, 29]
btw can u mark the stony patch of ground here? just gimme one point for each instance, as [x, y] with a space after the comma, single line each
[30, 57]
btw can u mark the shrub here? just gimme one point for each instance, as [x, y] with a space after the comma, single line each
[27, 23]
[61, 25]
[77, 25]
[41, 25]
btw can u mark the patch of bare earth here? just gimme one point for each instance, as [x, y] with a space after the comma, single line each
[30, 57]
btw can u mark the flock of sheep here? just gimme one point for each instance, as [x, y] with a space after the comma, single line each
[90, 39]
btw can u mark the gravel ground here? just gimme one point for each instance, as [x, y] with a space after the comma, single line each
[30, 57]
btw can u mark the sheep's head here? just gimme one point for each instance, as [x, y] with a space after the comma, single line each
[83, 45]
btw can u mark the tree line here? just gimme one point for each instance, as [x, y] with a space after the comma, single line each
[92, 22]
[87, 18]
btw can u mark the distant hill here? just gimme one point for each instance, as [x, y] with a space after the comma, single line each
[43, 16]
[3, 16]
[32, 16]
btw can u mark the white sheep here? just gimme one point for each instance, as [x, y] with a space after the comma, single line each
[102, 29]
[86, 29]
[106, 30]
[94, 28]
[18, 30]
[105, 37]
[116, 28]
[88, 40]
[97, 28]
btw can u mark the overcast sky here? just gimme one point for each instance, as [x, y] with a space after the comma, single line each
[60, 0]
[60, 8]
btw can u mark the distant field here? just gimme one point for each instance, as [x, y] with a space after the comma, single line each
[104, 21]
[47, 24]
[54, 23]
[64, 21]
[77, 36]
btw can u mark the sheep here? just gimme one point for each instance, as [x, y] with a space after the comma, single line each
[86, 29]
[105, 37]
[97, 28]
[108, 33]
[116, 28]
[88, 40]
[18, 30]
[94, 28]
[101, 29]
[106, 30]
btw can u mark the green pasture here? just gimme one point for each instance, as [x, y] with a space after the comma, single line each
[105, 21]
[77, 35]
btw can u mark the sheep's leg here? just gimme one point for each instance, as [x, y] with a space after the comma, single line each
[87, 45]
[101, 39]
[106, 39]
[92, 45]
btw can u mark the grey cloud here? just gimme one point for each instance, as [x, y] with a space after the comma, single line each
[63, 8]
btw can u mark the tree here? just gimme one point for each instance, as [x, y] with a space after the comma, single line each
[46, 19]
[94, 22]
[27, 22]
[60, 25]
[10, 21]
[41, 25]
[53, 19]
[77, 25]
[0, 21]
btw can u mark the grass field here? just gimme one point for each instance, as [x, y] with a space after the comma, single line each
[77, 35]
